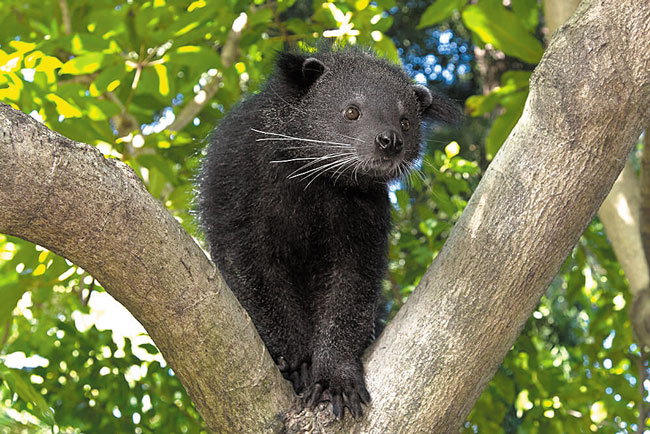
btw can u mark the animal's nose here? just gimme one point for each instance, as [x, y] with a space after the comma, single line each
[389, 141]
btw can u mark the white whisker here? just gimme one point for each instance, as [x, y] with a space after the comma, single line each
[317, 160]
[324, 157]
[295, 138]
[315, 169]
[325, 169]
[350, 164]
[350, 137]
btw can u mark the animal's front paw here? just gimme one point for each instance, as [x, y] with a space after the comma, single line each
[298, 373]
[341, 385]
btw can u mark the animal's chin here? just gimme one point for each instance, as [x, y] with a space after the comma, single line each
[385, 167]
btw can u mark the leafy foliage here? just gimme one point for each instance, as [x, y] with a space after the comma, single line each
[118, 74]
[512, 30]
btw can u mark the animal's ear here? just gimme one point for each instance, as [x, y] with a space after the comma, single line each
[436, 107]
[312, 68]
[299, 70]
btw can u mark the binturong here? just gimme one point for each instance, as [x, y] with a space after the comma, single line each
[293, 200]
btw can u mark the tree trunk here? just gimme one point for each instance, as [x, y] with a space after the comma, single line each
[588, 101]
[620, 215]
[556, 12]
[624, 213]
[95, 211]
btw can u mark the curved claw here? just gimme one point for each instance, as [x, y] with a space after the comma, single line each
[313, 395]
[337, 405]
[351, 398]
[283, 365]
[363, 394]
[298, 374]
[353, 403]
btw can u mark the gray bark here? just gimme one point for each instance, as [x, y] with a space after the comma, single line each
[589, 99]
[96, 212]
[621, 212]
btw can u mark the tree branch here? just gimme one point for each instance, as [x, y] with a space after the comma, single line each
[65, 17]
[620, 216]
[645, 195]
[587, 104]
[95, 211]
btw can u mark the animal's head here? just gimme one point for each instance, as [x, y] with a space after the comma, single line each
[363, 113]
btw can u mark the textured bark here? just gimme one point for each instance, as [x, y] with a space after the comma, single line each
[588, 102]
[589, 99]
[619, 212]
[95, 211]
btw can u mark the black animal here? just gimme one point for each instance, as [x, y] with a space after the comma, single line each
[293, 201]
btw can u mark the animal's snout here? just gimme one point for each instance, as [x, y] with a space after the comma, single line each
[389, 141]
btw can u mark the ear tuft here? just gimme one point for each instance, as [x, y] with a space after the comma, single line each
[299, 70]
[312, 69]
[424, 96]
[437, 107]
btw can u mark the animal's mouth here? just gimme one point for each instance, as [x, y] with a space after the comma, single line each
[384, 166]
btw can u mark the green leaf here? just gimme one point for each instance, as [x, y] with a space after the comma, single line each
[439, 11]
[11, 425]
[441, 197]
[504, 124]
[478, 105]
[284, 5]
[527, 12]
[495, 25]
[387, 48]
[452, 149]
[161, 164]
[200, 58]
[85, 64]
[9, 296]
[27, 393]
[149, 348]
[110, 78]
[511, 82]
[518, 79]
[261, 16]
[402, 198]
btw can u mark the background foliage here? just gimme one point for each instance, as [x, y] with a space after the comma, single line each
[123, 75]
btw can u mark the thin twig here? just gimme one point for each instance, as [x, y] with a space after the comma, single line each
[65, 17]
[643, 376]
[229, 53]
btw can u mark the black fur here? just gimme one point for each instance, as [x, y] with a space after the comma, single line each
[298, 228]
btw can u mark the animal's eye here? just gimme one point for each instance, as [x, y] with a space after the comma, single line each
[405, 124]
[352, 113]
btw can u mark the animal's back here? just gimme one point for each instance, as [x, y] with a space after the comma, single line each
[229, 160]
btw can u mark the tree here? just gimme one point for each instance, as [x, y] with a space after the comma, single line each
[579, 124]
